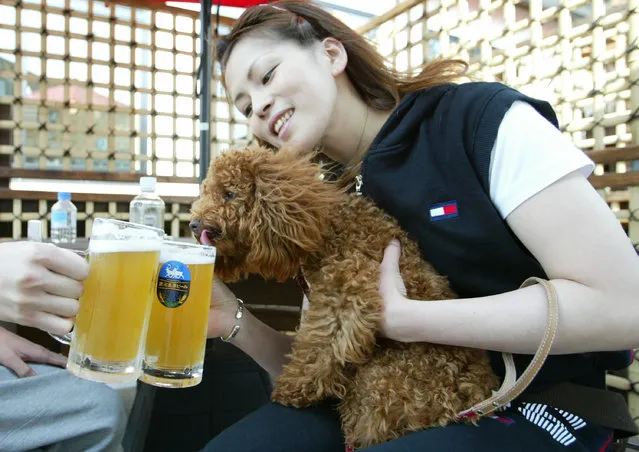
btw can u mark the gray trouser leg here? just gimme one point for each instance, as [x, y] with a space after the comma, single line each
[56, 411]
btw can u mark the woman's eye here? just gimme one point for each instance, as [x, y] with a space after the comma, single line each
[268, 76]
[229, 195]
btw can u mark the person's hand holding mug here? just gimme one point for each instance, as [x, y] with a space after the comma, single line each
[40, 285]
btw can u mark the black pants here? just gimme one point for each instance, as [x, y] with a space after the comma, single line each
[523, 427]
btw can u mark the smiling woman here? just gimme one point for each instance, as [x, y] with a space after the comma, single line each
[483, 179]
[285, 76]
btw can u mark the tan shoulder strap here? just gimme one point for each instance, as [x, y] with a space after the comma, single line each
[511, 386]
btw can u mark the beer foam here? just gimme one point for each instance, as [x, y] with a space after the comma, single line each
[104, 228]
[120, 230]
[123, 246]
[188, 256]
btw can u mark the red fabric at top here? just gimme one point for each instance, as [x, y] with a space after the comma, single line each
[238, 3]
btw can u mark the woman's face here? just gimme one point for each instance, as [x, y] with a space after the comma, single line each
[288, 92]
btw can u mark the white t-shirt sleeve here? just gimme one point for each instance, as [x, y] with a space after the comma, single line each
[529, 155]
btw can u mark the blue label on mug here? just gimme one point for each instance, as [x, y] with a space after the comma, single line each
[174, 284]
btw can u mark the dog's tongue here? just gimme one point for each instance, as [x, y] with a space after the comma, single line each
[204, 238]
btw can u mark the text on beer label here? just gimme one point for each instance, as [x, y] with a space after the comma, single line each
[174, 284]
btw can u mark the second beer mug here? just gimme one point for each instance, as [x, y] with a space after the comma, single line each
[109, 330]
[176, 337]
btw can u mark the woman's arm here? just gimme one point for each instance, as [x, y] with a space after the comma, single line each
[267, 346]
[584, 251]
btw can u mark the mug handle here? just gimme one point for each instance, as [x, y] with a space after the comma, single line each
[67, 338]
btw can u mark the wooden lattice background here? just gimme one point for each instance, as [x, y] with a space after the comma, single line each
[105, 91]
[104, 88]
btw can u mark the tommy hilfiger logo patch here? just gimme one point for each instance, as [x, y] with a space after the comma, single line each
[443, 210]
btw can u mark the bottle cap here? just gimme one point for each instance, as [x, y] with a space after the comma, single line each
[34, 230]
[147, 184]
[64, 196]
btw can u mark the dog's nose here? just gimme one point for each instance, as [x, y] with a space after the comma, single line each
[196, 226]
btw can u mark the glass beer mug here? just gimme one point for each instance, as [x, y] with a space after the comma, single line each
[176, 337]
[108, 337]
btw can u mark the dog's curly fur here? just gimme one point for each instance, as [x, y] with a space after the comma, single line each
[270, 214]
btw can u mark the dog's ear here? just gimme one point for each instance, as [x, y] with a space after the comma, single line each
[290, 213]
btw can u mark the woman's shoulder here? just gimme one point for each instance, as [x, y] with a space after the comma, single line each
[476, 88]
[453, 111]
[463, 98]
[478, 108]
[432, 101]
[451, 108]
[471, 94]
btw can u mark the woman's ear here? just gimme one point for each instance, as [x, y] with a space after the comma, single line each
[336, 53]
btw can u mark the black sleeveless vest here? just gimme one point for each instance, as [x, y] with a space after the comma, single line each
[429, 168]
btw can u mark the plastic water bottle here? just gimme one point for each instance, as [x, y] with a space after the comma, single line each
[34, 231]
[64, 220]
[147, 208]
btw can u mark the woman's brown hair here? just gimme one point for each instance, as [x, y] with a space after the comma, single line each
[300, 21]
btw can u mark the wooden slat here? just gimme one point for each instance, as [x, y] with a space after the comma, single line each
[87, 176]
[91, 197]
[620, 180]
[5, 161]
[258, 291]
[614, 155]
[275, 308]
[154, 6]
[604, 157]
[159, 6]
[388, 15]
[277, 304]
[281, 321]
[617, 196]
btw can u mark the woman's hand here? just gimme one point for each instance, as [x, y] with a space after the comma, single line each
[222, 310]
[392, 290]
[40, 285]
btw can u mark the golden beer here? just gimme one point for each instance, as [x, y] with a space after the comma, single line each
[176, 337]
[114, 308]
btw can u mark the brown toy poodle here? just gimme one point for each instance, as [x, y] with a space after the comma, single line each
[271, 214]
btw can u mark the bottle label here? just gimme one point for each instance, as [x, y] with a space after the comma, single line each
[150, 219]
[58, 219]
[174, 284]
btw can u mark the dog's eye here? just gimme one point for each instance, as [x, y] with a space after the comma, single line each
[229, 195]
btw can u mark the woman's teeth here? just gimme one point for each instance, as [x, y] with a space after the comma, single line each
[280, 122]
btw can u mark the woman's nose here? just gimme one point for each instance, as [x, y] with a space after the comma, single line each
[263, 106]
